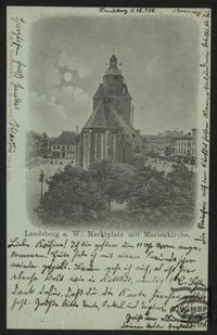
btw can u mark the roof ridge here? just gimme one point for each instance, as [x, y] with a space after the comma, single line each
[93, 114]
[66, 137]
[101, 117]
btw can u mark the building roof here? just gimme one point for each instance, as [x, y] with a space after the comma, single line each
[106, 117]
[100, 92]
[101, 118]
[172, 134]
[67, 137]
[128, 130]
[113, 69]
[184, 138]
[168, 134]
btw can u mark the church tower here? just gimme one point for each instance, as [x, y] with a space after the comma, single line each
[115, 92]
[108, 133]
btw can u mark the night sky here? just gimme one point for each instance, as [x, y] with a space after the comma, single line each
[160, 62]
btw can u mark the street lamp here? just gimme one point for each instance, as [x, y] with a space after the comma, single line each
[41, 180]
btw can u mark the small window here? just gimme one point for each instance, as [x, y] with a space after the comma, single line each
[133, 135]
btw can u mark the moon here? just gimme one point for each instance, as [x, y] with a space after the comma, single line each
[67, 76]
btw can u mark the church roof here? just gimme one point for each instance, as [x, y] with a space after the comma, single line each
[113, 69]
[101, 118]
[121, 123]
[67, 137]
[100, 92]
[113, 72]
[106, 117]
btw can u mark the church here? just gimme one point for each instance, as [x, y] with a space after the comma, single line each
[109, 133]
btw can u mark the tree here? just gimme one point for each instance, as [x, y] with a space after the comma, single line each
[73, 195]
[79, 195]
[37, 145]
[163, 197]
[114, 179]
[148, 189]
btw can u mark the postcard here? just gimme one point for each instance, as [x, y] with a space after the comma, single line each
[108, 132]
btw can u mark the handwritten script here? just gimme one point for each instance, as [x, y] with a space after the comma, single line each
[16, 76]
[80, 273]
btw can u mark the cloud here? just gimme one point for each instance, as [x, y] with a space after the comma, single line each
[66, 108]
[74, 64]
[160, 57]
[77, 104]
[45, 115]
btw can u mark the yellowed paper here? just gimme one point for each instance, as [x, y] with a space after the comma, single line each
[107, 168]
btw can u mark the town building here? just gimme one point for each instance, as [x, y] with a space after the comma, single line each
[63, 148]
[155, 145]
[181, 146]
[162, 144]
[109, 134]
[186, 147]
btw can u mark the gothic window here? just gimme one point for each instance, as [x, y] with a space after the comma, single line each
[109, 144]
[98, 146]
[86, 150]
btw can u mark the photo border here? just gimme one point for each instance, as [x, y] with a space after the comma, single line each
[212, 265]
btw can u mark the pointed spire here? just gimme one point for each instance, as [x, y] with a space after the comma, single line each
[113, 61]
[113, 66]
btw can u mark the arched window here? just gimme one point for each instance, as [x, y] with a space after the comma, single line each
[110, 145]
[86, 150]
[98, 146]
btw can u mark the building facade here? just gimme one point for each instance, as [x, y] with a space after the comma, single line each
[173, 143]
[109, 132]
[186, 147]
[162, 144]
[63, 148]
